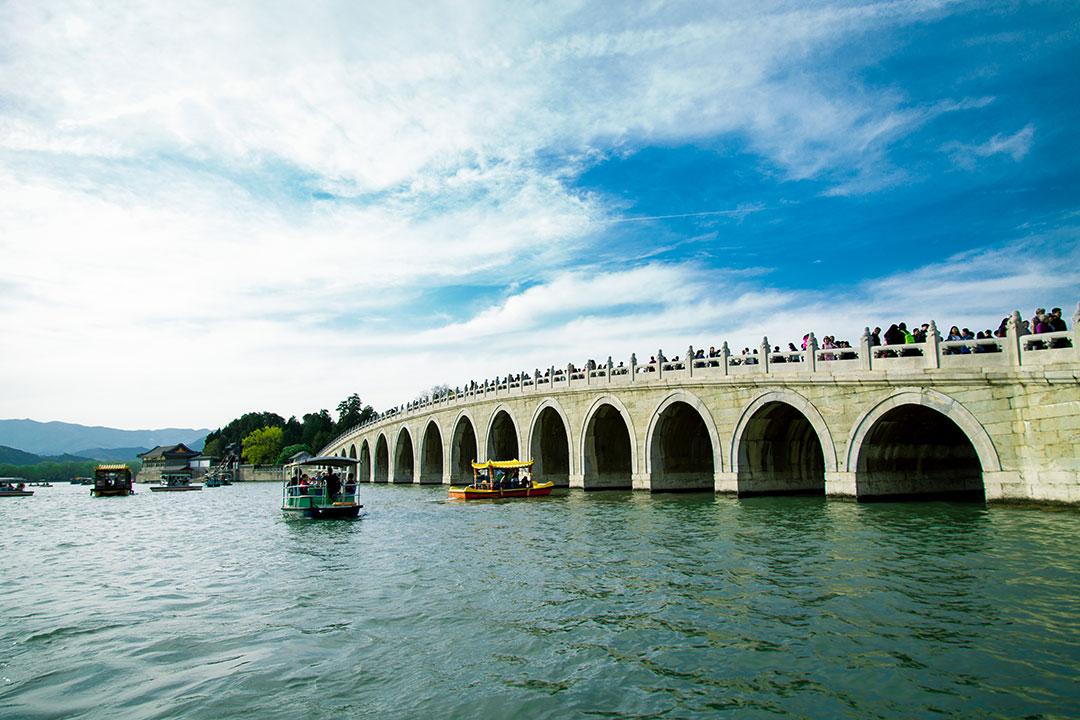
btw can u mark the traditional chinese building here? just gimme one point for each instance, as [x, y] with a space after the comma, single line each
[167, 460]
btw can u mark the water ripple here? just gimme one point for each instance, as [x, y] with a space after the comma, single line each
[611, 604]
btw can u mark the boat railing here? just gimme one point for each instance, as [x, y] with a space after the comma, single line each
[317, 491]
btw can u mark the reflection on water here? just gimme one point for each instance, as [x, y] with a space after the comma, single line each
[212, 604]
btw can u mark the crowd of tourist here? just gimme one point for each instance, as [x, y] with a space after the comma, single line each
[883, 344]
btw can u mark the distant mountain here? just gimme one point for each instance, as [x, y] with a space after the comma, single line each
[11, 456]
[56, 438]
[130, 453]
[14, 456]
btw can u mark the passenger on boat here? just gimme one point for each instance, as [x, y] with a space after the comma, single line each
[333, 486]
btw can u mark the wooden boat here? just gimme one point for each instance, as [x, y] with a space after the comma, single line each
[111, 481]
[498, 479]
[175, 482]
[14, 487]
[326, 496]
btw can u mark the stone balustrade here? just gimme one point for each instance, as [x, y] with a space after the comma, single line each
[1013, 350]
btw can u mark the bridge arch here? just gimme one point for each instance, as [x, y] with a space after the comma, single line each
[503, 436]
[404, 457]
[781, 445]
[363, 470]
[431, 454]
[551, 446]
[382, 460]
[464, 448]
[920, 443]
[682, 447]
[352, 451]
[608, 445]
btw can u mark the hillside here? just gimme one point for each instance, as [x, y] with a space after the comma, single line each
[57, 438]
[117, 454]
[14, 456]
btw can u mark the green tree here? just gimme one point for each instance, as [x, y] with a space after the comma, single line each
[289, 450]
[318, 429]
[352, 412]
[262, 446]
[243, 426]
[294, 432]
[214, 448]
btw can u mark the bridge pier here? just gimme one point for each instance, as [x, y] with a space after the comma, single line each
[840, 484]
[726, 483]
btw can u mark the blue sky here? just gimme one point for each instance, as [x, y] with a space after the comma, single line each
[212, 210]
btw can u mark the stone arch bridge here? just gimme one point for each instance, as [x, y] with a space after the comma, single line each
[996, 419]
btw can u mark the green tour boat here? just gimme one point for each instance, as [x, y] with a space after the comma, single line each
[322, 488]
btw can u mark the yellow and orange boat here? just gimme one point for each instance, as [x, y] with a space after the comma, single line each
[501, 479]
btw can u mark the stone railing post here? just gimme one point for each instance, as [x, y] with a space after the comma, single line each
[811, 353]
[866, 351]
[633, 367]
[1012, 338]
[1076, 331]
[933, 346]
[690, 359]
[551, 376]
[589, 365]
[610, 365]
[725, 357]
[765, 350]
[659, 364]
[569, 373]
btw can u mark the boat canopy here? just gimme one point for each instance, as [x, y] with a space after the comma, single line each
[109, 468]
[330, 461]
[502, 464]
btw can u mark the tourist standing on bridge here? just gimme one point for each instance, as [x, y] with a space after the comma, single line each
[1056, 321]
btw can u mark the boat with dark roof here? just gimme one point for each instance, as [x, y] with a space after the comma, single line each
[112, 481]
[326, 495]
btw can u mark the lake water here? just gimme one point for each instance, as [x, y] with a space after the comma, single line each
[613, 604]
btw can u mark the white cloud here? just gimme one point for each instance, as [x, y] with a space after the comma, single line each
[1016, 146]
[166, 257]
[375, 99]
